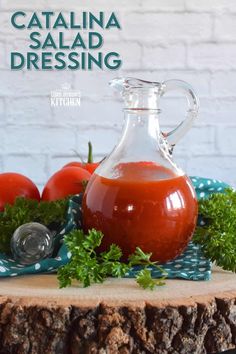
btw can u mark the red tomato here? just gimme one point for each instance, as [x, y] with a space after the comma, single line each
[90, 167]
[65, 182]
[14, 185]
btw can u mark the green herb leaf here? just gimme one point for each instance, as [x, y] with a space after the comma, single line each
[139, 257]
[218, 236]
[144, 279]
[88, 266]
[93, 240]
[114, 253]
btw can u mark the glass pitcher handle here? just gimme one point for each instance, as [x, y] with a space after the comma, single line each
[193, 105]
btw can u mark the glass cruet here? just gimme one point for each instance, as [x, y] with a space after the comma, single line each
[138, 196]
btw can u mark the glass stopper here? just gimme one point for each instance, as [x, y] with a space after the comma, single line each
[31, 242]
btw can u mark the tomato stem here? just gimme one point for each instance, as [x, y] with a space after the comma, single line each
[90, 153]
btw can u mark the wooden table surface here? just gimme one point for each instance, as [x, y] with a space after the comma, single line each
[114, 291]
[117, 316]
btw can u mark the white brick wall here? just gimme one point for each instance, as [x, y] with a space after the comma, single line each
[194, 40]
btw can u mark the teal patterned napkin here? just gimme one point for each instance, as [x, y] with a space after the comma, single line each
[190, 265]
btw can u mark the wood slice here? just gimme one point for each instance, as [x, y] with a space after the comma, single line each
[117, 316]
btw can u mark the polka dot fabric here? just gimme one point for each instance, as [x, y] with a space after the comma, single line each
[190, 265]
[206, 186]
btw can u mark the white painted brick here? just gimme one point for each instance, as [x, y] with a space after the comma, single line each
[1, 163]
[33, 110]
[2, 111]
[103, 140]
[57, 162]
[226, 140]
[5, 18]
[12, 83]
[47, 80]
[197, 141]
[173, 110]
[113, 5]
[225, 27]
[162, 27]
[2, 55]
[23, 5]
[180, 161]
[200, 140]
[95, 84]
[212, 56]
[21, 139]
[96, 5]
[129, 52]
[221, 111]
[67, 115]
[32, 83]
[211, 5]
[17, 42]
[199, 80]
[223, 84]
[2, 140]
[18, 39]
[161, 57]
[163, 5]
[32, 166]
[219, 167]
[102, 112]
[10, 33]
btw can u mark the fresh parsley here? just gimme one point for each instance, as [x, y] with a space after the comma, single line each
[218, 236]
[145, 280]
[26, 210]
[88, 266]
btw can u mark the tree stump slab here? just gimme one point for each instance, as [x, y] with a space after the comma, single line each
[117, 316]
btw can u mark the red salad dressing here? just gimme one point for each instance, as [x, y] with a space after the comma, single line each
[146, 205]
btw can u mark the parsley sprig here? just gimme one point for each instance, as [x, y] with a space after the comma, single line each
[88, 266]
[218, 235]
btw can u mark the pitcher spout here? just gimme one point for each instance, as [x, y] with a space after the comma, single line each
[138, 94]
